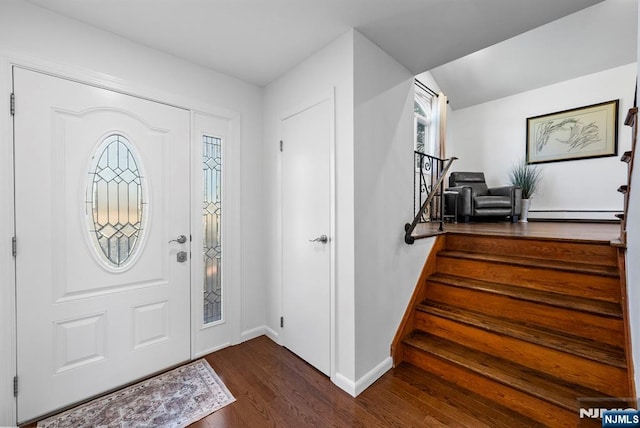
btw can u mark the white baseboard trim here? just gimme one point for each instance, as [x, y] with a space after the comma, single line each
[211, 350]
[344, 383]
[373, 375]
[244, 336]
[260, 331]
[253, 333]
[574, 215]
[356, 388]
[272, 334]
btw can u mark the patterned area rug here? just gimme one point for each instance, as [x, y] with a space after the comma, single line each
[173, 399]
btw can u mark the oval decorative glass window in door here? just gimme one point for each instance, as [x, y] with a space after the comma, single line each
[115, 201]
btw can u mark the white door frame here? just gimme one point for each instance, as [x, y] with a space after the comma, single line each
[232, 174]
[327, 95]
[8, 409]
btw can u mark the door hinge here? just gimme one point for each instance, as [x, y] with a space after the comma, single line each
[12, 104]
[14, 246]
[15, 386]
[281, 321]
[281, 143]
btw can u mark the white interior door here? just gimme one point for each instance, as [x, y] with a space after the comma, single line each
[102, 186]
[306, 234]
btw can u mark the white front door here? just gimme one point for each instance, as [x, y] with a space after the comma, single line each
[101, 197]
[306, 234]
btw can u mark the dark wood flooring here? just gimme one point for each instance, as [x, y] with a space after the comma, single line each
[275, 388]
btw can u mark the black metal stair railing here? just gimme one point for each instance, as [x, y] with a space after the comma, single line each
[428, 193]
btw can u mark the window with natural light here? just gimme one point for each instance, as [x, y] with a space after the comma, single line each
[211, 223]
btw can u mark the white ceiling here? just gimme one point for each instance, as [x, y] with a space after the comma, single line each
[258, 40]
[594, 39]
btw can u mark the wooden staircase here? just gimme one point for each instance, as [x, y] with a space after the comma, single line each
[530, 324]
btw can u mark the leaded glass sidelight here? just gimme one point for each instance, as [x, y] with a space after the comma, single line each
[115, 201]
[211, 223]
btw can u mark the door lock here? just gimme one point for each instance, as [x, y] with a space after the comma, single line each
[322, 238]
[181, 257]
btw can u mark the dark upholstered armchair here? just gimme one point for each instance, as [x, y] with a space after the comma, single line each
[474, 198]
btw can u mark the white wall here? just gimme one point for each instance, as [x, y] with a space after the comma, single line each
[490, 137]
[327, 70]
[386, 269]
[633, 255]
[34, 36]
[375, 271]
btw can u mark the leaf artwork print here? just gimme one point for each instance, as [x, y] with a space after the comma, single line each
[580, 135]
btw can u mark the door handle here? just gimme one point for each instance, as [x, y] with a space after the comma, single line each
[322, 238]
[181, 239]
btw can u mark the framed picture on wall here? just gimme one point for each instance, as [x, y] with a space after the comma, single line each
[579, 133]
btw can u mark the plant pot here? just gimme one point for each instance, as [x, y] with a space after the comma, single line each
[524, 212]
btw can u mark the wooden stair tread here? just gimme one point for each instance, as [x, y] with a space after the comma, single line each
[540, 385]
[582, 347]
[609, 271]
[598, 307]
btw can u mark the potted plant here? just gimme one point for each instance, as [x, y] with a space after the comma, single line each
[528, 178]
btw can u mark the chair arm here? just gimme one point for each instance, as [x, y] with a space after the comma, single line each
[465, 201]
[517, 201]
[514, 192]
[502, 191]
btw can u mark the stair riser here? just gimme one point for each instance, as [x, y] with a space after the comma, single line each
[569, 283]
[600, 328]
[526, 404]
[542, 249]
[591, 374]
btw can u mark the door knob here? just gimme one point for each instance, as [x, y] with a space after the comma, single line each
[322, 238]
[180, 239]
